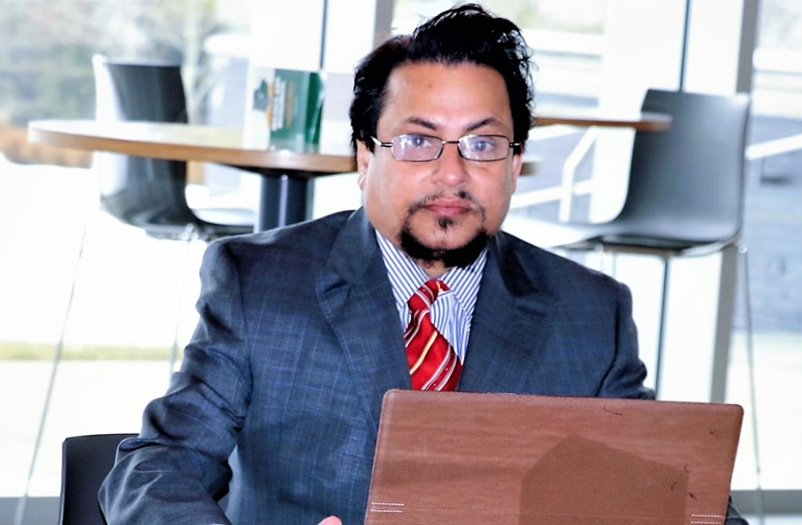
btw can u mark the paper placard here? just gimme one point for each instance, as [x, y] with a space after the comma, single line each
[284, 108]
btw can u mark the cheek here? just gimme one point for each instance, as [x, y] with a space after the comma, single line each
[384, 195]
[497, 198]
[388, 188]
[374, 185]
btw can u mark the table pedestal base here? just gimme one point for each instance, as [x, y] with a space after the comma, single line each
[283, 200]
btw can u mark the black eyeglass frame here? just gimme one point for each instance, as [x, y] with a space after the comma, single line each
[443, 145]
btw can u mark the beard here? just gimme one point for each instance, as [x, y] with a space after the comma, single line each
[462, 256]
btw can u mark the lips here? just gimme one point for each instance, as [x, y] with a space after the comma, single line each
[449, 207]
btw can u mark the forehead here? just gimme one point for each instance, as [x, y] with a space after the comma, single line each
[446, 97]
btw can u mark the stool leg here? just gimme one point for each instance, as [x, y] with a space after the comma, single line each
[193, 234]
[750, 357]
[661, 327]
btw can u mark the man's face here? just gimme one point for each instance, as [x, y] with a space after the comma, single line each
[446, 203]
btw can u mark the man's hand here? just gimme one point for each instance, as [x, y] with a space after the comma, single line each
[331, 520]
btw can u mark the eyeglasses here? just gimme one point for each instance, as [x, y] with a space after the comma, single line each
[424, 148]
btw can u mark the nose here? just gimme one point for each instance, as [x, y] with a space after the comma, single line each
[452, 168]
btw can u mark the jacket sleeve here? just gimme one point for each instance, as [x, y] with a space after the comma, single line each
[170, 473]
[733, 516]
[625, 377]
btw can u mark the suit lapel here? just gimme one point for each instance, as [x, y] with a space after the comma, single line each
[510, 325]
[356, 298]
[509, 330]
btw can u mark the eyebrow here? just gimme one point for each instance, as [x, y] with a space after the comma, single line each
[422, 122]
[432, 126]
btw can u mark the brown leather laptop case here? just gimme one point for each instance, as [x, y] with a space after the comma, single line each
[457, 458]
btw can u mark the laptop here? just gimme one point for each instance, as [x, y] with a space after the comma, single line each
[458, 458]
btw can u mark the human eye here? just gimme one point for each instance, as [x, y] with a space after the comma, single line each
[483, 144]
[417, 141]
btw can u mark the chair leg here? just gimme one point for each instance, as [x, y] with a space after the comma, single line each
[23, 500]
[606, 260]
[750, 356]
[661, 327]
[193, 235]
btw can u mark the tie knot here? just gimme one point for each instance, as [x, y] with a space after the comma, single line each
[424, 296]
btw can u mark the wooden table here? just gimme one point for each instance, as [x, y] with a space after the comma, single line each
[284, 195]
[591, 117]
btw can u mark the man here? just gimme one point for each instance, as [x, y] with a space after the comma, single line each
[303, 329]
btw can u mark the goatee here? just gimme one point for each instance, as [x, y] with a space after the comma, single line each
[462, 256]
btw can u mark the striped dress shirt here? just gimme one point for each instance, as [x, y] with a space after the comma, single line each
[452, 312]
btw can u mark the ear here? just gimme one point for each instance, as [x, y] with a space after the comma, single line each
[363, 158]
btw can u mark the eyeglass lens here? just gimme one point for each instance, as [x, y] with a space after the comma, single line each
[421, 148]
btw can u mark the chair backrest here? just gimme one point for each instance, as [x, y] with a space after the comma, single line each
[143, 192]
[86, 460]
[687, 183]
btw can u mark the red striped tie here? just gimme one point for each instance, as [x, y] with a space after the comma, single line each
[433, 363]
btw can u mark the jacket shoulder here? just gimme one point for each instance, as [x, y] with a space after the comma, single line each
[546, 270]
[307, 239]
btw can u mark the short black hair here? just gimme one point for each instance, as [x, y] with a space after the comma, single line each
[465, 33]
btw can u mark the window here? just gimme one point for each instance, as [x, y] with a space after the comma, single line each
[126, 304]
[772, 229]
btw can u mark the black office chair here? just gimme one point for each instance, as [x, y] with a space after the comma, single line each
[686, 188]
[150, 193]
[144, 192]
[85, 462]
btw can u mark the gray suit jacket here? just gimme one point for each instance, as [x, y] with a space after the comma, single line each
[298, 341]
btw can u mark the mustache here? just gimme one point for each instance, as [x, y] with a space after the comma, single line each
[428, 199]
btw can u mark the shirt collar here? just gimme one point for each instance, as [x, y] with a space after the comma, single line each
[406, 276]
